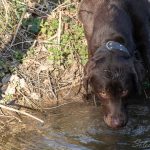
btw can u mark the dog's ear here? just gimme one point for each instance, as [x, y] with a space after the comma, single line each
[88, 73]
[86, 16]
[89, 66]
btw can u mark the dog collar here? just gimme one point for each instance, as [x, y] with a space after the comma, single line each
[111, 45]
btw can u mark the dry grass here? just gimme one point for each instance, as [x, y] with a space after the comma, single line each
[42, 49]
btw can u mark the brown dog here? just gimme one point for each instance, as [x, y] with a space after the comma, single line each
[116, 31]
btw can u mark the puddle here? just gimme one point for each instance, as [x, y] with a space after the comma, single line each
[79, 126]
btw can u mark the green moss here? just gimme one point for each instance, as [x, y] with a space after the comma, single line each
[32, 24]
[146, 85]
[18, 55]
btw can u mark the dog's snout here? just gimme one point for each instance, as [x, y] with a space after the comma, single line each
[115, 121]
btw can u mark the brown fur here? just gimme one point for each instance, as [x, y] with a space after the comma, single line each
[114, 75]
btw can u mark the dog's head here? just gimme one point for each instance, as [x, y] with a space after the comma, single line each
[113, 76]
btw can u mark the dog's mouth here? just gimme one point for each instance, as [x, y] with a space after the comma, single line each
[115, 121]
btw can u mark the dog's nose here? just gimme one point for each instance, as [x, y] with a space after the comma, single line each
[114, 122]
[117, 123]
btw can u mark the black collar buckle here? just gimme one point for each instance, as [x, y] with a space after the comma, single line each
[111, 45]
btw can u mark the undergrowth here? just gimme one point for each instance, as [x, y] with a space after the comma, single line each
[42, 48]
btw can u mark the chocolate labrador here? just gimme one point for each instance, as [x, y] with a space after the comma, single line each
[117, 34]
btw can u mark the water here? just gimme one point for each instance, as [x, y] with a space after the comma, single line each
[78, 126]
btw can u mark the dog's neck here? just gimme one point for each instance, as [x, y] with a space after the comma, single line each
[119, 43]
[112, 46]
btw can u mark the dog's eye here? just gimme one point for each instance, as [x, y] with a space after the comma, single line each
[103, 94]
[124, 93]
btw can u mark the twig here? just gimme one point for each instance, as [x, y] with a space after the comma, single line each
[21, 112]
[18, 26]
[58, 106]
[23, 42]
[94, 99]
[51, 87]
[63, 5]
[27, 99]
[59, 28]
[146, 96]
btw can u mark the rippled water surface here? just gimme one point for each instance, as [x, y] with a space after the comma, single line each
[78, 127]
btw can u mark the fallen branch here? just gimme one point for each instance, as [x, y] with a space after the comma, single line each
[58, 106]
[21, 112]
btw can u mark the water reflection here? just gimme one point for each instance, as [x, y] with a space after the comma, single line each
[79, 127]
